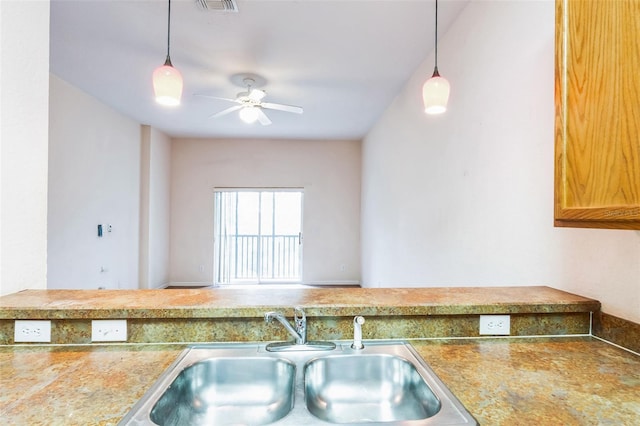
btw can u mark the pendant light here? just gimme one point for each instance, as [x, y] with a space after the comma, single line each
[435, 92]
[167, 81]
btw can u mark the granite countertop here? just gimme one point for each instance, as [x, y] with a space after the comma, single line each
[542, 381]
[231, 303]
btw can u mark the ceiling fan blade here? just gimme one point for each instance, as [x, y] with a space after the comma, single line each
[262, 118]
[215, 97]
[281, 107]
[226, 111]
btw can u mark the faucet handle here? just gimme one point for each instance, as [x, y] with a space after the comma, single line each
[299, 315]
[300, 320]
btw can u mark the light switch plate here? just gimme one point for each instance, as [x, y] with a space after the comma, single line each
[109, 330]
[496, 325]
[32, 331]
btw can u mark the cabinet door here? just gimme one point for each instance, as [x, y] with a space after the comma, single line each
[597, 97]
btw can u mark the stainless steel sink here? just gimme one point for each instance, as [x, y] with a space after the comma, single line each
[387, 383]
[221, 391]
[367, 388]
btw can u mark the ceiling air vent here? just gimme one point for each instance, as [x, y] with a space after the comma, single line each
[218, 5]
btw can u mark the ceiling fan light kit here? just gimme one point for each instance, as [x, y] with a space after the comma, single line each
[167, 80]
[435, 91]
[249, 114]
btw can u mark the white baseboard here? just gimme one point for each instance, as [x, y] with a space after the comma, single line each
[189, 284]
[334, 283]
[331, 283]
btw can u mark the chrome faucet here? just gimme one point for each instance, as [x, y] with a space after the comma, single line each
[299, 333]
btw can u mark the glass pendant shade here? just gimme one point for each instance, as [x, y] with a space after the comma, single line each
[249, 114]
[167, 85]
[435, 94]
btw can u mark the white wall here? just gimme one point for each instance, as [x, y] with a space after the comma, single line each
[24, 81]
[466, 198]
[94, 178]
[155, 195]
[329, 172]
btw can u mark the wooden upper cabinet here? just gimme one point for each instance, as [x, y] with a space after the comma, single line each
[597, 130]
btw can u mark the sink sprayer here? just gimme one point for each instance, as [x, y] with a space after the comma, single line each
[357, 332]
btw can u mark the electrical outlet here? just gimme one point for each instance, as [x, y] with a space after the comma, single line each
[495, 324]
[109, 330]
[38, 331]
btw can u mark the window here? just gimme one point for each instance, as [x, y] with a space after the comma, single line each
[258, 236]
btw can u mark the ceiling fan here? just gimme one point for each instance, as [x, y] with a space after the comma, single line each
[250, 104]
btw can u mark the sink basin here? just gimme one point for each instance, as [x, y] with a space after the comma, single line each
[252, 391]
[367, 388]
[387, 382]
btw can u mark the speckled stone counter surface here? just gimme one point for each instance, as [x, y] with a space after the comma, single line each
[203, 315]
[542, 381]
[230, 303]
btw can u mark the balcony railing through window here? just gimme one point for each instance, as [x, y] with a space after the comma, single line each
[261, 258]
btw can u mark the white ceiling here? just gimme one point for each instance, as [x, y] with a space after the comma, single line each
[342, 60]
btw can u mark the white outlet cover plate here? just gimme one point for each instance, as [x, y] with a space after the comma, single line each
[109, 330]
[496, 325]
[32, 331]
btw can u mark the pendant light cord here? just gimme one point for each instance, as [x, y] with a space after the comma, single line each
[435, 69]
[168, 60]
